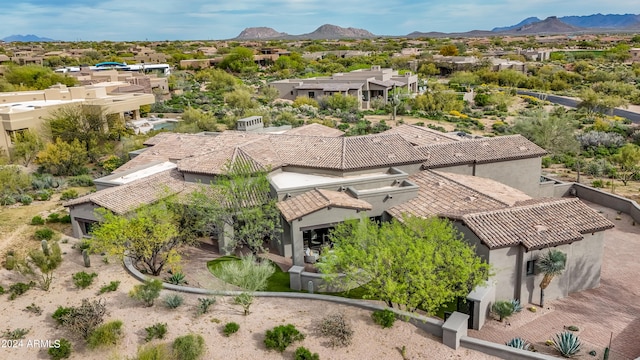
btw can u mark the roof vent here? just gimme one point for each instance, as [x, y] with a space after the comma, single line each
[486, 144]
[375, 140]
[523, 148]
[470, 198]
[391, 156]
[440, 183]
[458, 154]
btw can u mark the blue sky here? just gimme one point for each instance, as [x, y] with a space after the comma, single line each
[120, 20]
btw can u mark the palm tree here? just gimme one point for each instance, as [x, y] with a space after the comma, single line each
[551, 264]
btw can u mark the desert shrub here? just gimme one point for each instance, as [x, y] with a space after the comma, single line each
[503, 309]
[280, 337]
[337, 329]
[246, 273]
[18, 289]
[147, 292]
[15, 334]
[572, 328]
[519, 343]
[34, 309]
[69, 194]
[82, 320]
[302, 353]
[173, 301]
[154, 352]
[597, 183]
[37, 220]
[84, 244]
[156, 331]
[595, 139]
[107, 334]
[26, 199]
[230, 328]
[245, 300]
[53, 218]
[384, 318]
[63, 351]
[567, 343]
[112, 286]
[7, 199]
[82, 280]
[1, 290]
[80, 180]
[204, 304]
[44, 234]
[65, 219]
[61, 313]
[42, 195]
[188, 347]
[177, 279]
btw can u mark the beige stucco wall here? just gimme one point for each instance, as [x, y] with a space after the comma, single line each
[509, 265]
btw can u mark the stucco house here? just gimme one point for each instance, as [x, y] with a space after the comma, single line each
[490, 188]
[23, 110]
[364, 84]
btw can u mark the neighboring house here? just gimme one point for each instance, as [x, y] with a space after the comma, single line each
[489, 187]
[26, 109]
[365, 85]
[635, 54]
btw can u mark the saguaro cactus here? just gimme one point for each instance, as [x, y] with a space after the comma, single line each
[86, 258]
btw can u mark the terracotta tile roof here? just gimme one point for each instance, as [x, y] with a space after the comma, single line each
[483, 150]
[314, 200]
[439, 195]
[422, 136]
[491, 188]
[369, 151]
[125, 198]
[315, 130]
[549, 223]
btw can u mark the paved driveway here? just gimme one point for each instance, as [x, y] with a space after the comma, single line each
[611, 310]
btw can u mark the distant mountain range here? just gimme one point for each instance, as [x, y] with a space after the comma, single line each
[528, 26]
[25, 38]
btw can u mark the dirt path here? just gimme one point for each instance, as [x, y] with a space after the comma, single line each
[8, 240]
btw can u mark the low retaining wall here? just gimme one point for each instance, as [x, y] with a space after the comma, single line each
[502, 351]
[609, 200]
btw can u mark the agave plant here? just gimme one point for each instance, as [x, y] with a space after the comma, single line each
[177, 279]
[517, 307]
[519, 343]
[567, 343]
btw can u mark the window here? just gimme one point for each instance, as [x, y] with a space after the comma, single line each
[312, 94]
[531, 267]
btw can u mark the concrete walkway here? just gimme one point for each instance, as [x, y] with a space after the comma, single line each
[611, 310]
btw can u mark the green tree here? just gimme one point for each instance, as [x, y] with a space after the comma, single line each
[551, 265]
[62, 158]
[449, 50]
[597, 103]
[419, 263]
[239, 100]
[268, 94]
[628, 160]
[36, 77]
[149, 236]
[464, 78]
[217, 80]
[554, 132]
[239, 60]
[239, 205]
[196, 120]
[87, 124]
[26, 146]
[428, 69]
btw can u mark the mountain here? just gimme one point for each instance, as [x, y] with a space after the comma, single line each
[550, 25]
[26, 38]
[260, 33]
[326, 31]
[522, 23]
[609, 21]
[587, 22]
